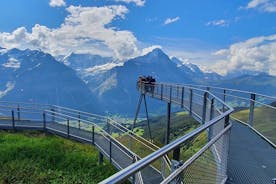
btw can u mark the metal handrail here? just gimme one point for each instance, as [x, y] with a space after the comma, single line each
[230, 89]
[137, 166]
[195, 156]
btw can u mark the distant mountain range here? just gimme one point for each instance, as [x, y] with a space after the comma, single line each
[102, 84]
[33, 76]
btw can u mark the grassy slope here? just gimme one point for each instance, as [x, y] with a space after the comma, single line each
[181, 124]
[32, 157]
[264, 120]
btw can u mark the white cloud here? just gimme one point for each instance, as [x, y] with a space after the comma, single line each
[220, 22]
[171, 20]
[256, 54]
[137, 2]
[263, 5]
[84, 30]
[149, 49]
[56, 3]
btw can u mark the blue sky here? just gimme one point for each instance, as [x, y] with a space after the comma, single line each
[210, 33]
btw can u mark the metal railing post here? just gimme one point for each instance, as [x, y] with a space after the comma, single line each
[182, 98]
[170, 93]
[162, 91]
[110, 149]
[68, 130]
[53, 114]
[224, 98]
[100, 158]
[93, 135]
[13, 121]
[191, 101]
[204, 107]
[108, 126]
[210, 130]
[18, 112]
[167, 138]
[44, 121]
[251, 109]
[79, 119]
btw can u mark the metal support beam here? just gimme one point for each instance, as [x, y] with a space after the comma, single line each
[137, 110]
[147, 114]
[167, 136]
[251, 112]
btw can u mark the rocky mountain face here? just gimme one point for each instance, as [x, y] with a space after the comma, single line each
[33, 76]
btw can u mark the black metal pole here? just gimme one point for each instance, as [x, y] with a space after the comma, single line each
[137, 110]
[93, 135]
[44, 121]
[79, 119]
[68, 131]
[13, 121]
[182, 98]
[167, 138]
[147, 114]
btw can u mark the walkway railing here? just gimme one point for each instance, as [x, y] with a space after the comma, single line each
[256, 110]
[114, 141]
[210, 161]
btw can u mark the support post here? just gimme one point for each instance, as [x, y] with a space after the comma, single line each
[226, 121]
[210, 130]
[182, 98]
[13, 121]
[251, 112]
[93, 135]
[167, 138]
[100, 158]
[170, 93]
[18, 112]
[79, 119]
[108, 126]
[68, 129]
[205, 96]
[137, 110]
[191, 101]
[176, 153]
[224, 98]
[44, 121]
[53, 114]
[147, 114]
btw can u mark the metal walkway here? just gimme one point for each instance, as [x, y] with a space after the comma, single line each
[244, 156]
[251, 158]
